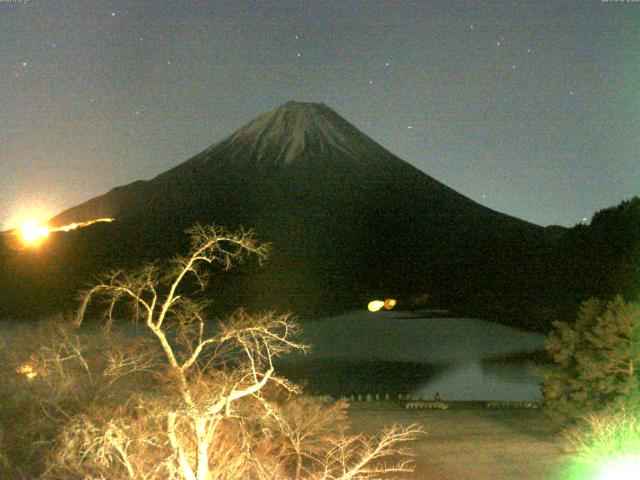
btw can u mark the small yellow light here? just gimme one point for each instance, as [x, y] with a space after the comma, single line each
[27, 370]
[375, 305]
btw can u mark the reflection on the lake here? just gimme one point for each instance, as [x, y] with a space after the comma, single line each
[470, 359]
[477, 381]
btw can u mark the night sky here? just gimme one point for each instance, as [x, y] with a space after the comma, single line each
[530, 108]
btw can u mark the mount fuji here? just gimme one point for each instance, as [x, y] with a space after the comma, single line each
[347, 219]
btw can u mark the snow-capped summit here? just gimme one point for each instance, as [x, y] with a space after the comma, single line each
[296, 131]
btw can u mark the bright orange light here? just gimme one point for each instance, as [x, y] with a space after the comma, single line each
[33, 234]
[389, 303]
[375, 305]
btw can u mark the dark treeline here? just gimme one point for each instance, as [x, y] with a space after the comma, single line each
[601, 259]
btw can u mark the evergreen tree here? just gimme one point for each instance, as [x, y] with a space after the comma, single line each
[595, 361]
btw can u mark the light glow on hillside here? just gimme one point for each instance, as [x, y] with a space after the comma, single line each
[73, 226]
[33, 234]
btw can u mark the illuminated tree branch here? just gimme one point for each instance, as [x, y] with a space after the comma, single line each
[217, 377]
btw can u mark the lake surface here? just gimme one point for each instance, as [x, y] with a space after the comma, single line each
[398, 352]
[424, 356]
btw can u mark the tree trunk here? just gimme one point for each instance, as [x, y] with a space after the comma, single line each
[203, 448]
[186, 469]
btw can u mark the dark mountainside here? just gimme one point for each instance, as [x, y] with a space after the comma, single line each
[348, 222]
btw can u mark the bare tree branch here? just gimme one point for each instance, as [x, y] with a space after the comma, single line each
[211, 418]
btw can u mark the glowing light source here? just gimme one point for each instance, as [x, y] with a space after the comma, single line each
[626, 468]
[33, 234]
[375, 305]
[389, 303]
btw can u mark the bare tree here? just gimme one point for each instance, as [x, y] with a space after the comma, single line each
[210, 418]
[314, 434]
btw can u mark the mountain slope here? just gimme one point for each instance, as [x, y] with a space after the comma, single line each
[308, 144]
[347, 219]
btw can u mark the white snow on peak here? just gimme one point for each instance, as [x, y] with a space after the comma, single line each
[297, 129]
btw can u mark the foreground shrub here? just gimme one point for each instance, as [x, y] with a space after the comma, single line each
[607, 446]
[595, 362]
[51, 374]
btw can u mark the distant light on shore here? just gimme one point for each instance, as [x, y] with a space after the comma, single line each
[375, 305]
